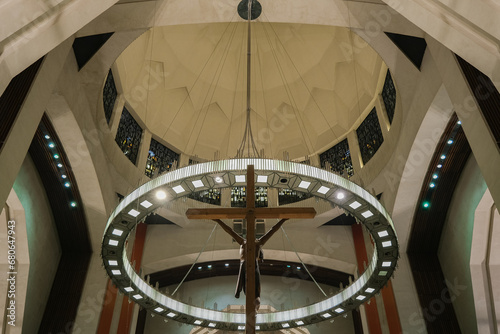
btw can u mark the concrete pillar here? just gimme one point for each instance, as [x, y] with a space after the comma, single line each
[19, 140]
[142, 156]
[482, 142]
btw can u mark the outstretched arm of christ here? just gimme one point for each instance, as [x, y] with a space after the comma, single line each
[230, 231]
[262, 240]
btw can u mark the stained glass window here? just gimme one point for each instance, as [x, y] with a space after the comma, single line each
[389, 96]
[288, 196]
[128, 136]
[210, 196]
[338, 159]
[260, 197]
[239, 197]
[160, 159]
[369, 136]
[109, 95]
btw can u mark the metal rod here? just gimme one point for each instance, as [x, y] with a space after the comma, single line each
[303, 264]
[185, 276]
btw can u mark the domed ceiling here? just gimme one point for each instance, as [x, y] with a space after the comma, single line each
[310, 86]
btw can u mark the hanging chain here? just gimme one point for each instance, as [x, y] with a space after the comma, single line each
[247, 141]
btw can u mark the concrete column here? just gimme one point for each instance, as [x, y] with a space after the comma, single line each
[117, 114]
[39, 28]
[483, 144]
[183, 160]
[272, 197]
[357, 161]
[383, 119]
[479, 265]
[13, 212]
[225, 197]
[142, 156]
[19, 140]
[315, 160]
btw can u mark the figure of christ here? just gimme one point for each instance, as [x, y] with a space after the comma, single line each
[259, 257]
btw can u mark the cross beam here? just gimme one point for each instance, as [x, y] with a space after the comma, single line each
[250, 213]
[260, 213]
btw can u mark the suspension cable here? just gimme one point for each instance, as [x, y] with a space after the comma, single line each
[305, 267]
[194, 263]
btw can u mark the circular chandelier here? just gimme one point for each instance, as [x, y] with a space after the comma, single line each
[270, 173]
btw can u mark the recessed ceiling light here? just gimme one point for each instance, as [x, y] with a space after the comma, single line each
[340, 195]
[387, 243]
[178, 189]
[360, 297]
[113, 242]
[56, 156]
[369, 290]
[326, 315]
[382, 273]
[197, 183]
[171, 314]
[450, 142]
[262, 178]
[432, 185]
[367, 214]
[459, 122]
[323, 190]
[256, 327]
[159, 309]
[383, 234]
[339, 310]
[47, 137]
[198, 322]
[146, 204]
[355, 205]
[218, 179]
[211, 325]
[160, 194]
[209, 266]
[59, 165]
[117, 232]
[386, 264]
[285, 325]
[137, 296]
[134, 213]
[240, 178]
[300, 322]
[113, 262]
[128, 289]
[116, 272]
[439, 166]
[243, 327]
[443, 157]
[67, 185]
[63, 176]
[227, 264]
[434, 176]
[51, 145]
[73, 204]
[304, 184]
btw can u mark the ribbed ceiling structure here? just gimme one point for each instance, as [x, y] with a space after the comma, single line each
[311, 85]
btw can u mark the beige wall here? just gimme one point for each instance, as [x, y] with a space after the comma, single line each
[43, 243]
[455, 247]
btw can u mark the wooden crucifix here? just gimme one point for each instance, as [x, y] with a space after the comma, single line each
[251, 247]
